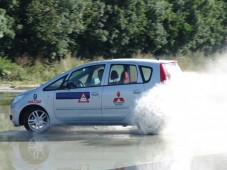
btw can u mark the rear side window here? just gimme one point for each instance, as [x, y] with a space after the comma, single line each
[122, 74]
[146, 73]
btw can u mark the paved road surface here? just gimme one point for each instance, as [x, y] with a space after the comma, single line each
[101, 148]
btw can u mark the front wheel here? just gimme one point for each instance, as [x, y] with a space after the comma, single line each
[36, 120]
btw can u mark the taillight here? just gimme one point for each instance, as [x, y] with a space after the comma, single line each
[163, 74]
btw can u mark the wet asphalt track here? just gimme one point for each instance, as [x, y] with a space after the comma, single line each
[101, 148]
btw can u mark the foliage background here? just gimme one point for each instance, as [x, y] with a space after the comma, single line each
[34, 32]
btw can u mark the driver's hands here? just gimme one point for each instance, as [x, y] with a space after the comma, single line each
[79, 84]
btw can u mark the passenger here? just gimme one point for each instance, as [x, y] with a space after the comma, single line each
[124, 77]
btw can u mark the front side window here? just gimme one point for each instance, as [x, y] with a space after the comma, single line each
[122, 74]
[57, 85]
[86, 77]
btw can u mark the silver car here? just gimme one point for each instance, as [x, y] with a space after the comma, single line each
[96, 93]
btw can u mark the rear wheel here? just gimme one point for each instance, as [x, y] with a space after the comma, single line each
[36, 120]
[148, 128]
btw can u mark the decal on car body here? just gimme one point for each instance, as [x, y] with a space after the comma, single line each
[72, 95]
[35, 96]
[118, 100]
[83, 99]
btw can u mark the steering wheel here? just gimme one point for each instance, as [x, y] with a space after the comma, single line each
[79, 84]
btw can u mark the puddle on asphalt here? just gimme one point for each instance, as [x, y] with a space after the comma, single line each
[104, 149]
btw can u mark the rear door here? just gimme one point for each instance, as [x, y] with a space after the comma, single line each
[121, 92]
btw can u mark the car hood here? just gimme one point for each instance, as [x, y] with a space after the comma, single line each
[28, 91]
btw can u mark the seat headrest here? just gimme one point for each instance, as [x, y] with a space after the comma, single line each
[114, 75]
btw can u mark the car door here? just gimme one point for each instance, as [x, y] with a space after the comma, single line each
[80, 101]
[121, 92]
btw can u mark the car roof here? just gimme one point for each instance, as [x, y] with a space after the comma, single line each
[134, 60]
[125, 60]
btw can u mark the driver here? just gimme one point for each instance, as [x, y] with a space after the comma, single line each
[100, 74]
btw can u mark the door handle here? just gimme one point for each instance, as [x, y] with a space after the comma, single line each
[95, 93]
[137, 91]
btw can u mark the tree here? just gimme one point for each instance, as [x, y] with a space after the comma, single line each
[155, 35]
[114, 29]
[3, 23]
[7, 24]
[195, 25]
[54, 25]
[52, 29]
[210, 26]
[48, 28]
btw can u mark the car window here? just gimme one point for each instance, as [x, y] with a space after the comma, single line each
[122, 74]
[55, 85]
[146, 73]
[87, 76]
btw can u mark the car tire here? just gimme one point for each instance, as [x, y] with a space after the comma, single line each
[36, 120]
[149, 129]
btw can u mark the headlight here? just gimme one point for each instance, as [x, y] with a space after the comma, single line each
[17, 98]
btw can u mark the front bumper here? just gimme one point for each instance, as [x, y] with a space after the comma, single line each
[14, 116]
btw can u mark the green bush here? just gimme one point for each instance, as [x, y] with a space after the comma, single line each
[37, 73]
[2, 67]
[10, 71]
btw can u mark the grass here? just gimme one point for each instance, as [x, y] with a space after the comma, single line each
[26, 74]
[20, 73]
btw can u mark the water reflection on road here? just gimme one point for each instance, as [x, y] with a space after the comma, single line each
[80, 148]
[106, 148]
